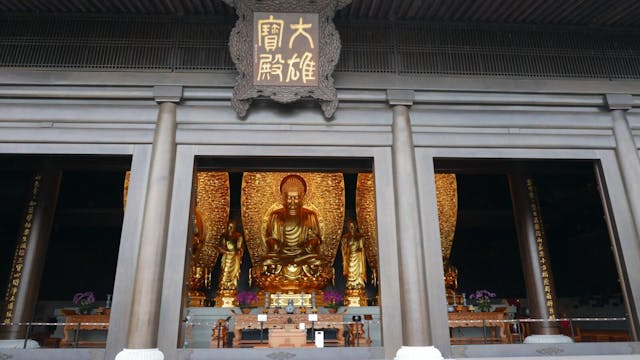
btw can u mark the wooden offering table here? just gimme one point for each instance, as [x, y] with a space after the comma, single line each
[493, 321]
[279, 338]
[276, 323]
[87, 323]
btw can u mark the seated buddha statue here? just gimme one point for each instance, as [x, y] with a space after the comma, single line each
[292, 236]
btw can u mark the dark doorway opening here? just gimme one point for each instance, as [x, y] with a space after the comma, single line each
[84, 237]
[487, 254]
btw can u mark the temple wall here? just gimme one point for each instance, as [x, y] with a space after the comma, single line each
[98, 113]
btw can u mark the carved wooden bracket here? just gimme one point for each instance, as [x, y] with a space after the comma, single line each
[241, 47]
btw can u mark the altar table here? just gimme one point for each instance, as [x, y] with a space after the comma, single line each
[493, 321]
[282, 321]
[87, 323]
[287, 338]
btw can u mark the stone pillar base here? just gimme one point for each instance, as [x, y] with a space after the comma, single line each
[547, 339]
[418, 352]
[140, 354]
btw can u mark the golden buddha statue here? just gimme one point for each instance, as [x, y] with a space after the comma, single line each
[451, 283]
[231, 247]
[354, 264]
[450, 276]
[292, 241]
[293, 232]
[353, 257]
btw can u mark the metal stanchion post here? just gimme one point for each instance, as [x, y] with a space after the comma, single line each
[484, 330]
[357, 319]
[347, 339]
[261, 319]
[76, 336]
[261, 330]
[27, 335]
[520, 329]
[313, 318]
[571, 328]
[219, 327]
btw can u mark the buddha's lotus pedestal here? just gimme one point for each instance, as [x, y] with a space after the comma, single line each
[292, 277]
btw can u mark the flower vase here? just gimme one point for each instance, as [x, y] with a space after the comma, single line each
[246, 310]
[484, 306]
[84, 310]
[332, 310]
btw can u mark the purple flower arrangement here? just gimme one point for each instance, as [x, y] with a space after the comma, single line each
[84, 301]
[247, 299]
[483, 299]
[332, 298]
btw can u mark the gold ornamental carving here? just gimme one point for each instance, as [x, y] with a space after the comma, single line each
[447, 200]
[212, 202]
[366, 217]
[17, 264]
[125, 190]
[544, 261]
[282, 266]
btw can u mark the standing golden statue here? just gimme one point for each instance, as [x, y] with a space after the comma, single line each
[231, 246]
[354, 265]
[199, 279]
[353, 257]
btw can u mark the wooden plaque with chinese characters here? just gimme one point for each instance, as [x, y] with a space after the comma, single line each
[285, 50]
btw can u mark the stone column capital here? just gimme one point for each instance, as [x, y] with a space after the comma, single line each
[400, 97]
[167, 93]
[619, 101]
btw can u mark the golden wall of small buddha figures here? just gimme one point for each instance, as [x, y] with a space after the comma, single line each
[292, 225]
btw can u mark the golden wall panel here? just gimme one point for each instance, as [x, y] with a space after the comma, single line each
[366, 216]
[447, 200]
[212, 202]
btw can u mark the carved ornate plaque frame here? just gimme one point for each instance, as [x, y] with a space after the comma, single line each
[241, 49]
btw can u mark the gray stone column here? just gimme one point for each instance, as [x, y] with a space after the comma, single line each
[31, 250]
[413, 297]
[534, 253]
[626, 152]
[142, 339]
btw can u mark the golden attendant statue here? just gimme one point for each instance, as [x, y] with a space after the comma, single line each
[231, 246]
[354, 265]
[198, 281]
